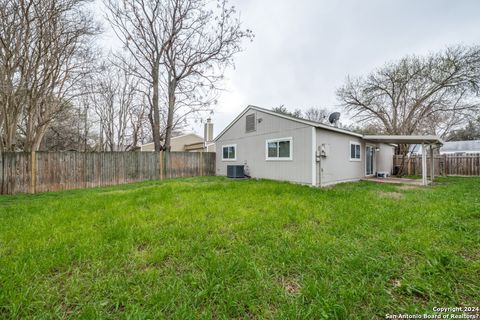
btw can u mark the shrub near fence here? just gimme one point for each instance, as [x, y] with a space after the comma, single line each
[22, 172]
[446, 165]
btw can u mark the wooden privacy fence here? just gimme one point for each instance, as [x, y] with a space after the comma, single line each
[22, 172]
[445, 165]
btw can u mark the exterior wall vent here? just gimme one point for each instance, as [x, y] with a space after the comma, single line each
[250, 123]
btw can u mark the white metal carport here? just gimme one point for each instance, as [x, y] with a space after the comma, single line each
[431, 141]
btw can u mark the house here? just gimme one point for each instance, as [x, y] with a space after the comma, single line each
[452, 148]
[276, 146]
[190, 142]
[461, 147]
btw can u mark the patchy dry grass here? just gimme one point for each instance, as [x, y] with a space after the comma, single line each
[410, 187]
[392, 195]
[215, 248]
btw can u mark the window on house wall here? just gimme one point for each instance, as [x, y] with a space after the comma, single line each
[250, 123]
[355, 151]
[229, 152]
[279, 149]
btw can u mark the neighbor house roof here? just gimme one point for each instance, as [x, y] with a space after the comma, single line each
[472, 146]
[176, 137]
[285, 116]
[427, 139]
[461, 146]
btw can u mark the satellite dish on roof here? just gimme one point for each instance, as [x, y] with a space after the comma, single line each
[334, 117]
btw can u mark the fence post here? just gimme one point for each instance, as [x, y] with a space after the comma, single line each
[161, 164]
[33, 172]
[201, 163]
[2, 177]
[166, 163]
[446, 166]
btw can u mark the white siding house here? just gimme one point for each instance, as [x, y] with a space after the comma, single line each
[276, 146]
[190, 142]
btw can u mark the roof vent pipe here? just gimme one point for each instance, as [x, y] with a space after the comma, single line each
[208, 130]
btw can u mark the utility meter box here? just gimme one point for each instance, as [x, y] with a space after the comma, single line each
[324, 149]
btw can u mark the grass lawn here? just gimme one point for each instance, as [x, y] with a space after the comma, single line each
[210, 247]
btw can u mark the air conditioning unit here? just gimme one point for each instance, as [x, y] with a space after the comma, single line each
[383, 174]
[235, 171]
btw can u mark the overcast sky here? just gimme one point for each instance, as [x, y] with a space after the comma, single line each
[303, 50]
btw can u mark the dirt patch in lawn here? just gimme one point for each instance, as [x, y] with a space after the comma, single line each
[408, 187]
[470, 255]
[395, 283]
[391, 195]
[291, 286]
[142, 247]
[121, 191]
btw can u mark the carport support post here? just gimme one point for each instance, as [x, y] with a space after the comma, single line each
[424, 165]
[432, 164]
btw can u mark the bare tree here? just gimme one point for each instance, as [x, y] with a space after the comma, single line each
[69, 131]
[139, 26]
[470, 132]
[139, 123]
[202, 44]
[180, 49]
[312, 114]
[45, 53]
[117, 108]
[282, 109]
[372, 129]
[431, 94]
[317, 114]
[13, 51]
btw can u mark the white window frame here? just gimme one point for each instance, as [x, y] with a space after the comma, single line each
[230, 159]
[350, 150]
[290, 158]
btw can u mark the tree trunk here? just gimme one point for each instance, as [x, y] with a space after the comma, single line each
[403, 151]
[10, 125]
[38, 138]
[155, 118]
[171, 109]
[10, 137]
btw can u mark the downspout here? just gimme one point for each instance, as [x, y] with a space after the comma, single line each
[320, 169]
[314, 157]
[432, 164]
[424, 164]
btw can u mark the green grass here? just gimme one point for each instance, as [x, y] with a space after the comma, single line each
[214, 248]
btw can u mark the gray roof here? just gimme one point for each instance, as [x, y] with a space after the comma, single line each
[378, 138]
[286, 116]
[461, 146]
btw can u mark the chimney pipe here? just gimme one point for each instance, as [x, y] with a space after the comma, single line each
[208, 130]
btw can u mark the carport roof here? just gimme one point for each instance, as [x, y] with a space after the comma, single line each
[427, 139]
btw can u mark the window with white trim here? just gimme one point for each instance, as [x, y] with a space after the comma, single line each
[279, 149]
[229, 153]
[355, 151]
